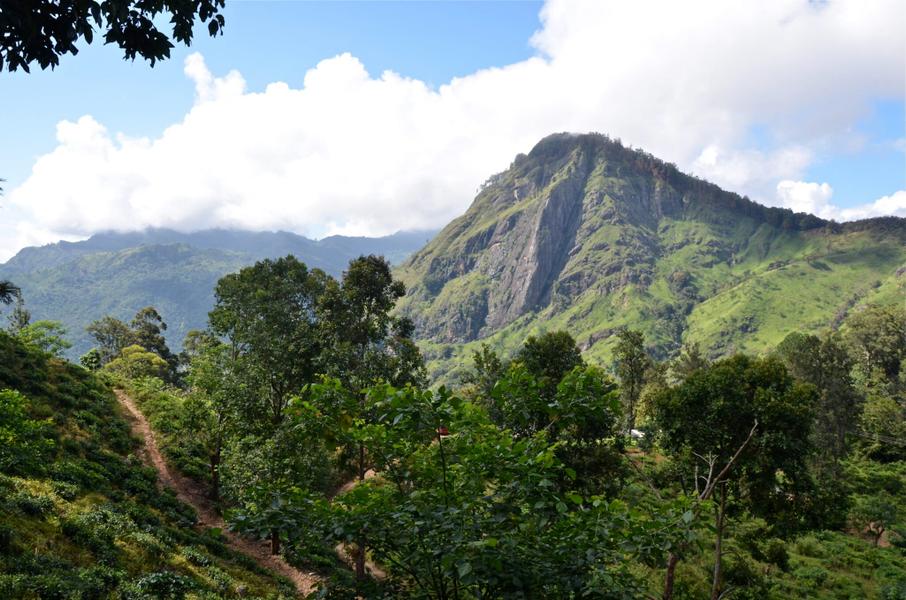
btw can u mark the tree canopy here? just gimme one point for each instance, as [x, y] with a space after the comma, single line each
[41, 31]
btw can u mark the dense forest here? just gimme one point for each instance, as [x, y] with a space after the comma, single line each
[306, 412]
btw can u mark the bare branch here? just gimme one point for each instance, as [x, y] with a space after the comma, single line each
[710, 489]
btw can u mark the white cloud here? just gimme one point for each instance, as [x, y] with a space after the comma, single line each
[351, 153]
[815, 198]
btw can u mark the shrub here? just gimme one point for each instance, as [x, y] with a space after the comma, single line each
[195, 556]
[65, 490]
[165, 585]
[34, 506]
[774, 551]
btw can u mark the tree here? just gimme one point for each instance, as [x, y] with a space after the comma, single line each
[487, 370]
[41, 31]
[147, 331]
[877, 339]
[549, 357]
[19, 317]
[632, 363]
[135, 362]
[366, 345]
[213, 384]
[748, 421]
[690, 360]
[47, 336]
[825, 364]
[111, 335]
[461, 508]
[883, 428]
[8, 292]
[268, 314]
[194, 344]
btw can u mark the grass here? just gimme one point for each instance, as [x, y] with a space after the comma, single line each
[88, 521]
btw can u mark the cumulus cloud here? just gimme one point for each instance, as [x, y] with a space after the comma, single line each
[356, 154]
[815, 198]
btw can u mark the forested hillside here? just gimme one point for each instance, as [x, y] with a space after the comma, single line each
[303, 412]
[586, 235]
[119, 273]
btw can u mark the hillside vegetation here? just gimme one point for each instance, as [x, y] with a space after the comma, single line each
[585, 235]
[80, 516]
[119, 273]
[304, 414]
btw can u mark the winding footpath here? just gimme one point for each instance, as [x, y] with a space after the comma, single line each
[194, 494]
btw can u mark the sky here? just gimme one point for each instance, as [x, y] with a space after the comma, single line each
[365, 118]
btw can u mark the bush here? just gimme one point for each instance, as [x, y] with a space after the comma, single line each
[31, 505]
[774, 551]
[97, 582]
[65, 490]
[165, 585]
[814, 577]
[12, 586]
[195, 556]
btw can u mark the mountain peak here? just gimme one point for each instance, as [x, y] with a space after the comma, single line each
[588, 235]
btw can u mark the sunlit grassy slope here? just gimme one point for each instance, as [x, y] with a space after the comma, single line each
[88, 521]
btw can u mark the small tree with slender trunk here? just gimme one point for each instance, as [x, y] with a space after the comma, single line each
[746, 421]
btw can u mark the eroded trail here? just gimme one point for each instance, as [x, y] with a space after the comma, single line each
[195, 495]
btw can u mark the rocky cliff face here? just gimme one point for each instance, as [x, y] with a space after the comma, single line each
[585, 234]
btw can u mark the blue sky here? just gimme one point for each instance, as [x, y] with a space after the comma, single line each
[793, 103]
[267, 41]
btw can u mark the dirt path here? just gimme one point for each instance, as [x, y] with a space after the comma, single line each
[195, 495]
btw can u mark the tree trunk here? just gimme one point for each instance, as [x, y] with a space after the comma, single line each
[672, 560]
[718, 545]
[275, 541]
[360, 573]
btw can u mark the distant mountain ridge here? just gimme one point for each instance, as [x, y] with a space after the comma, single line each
[329, 254]
[119, 273]
[586, 235]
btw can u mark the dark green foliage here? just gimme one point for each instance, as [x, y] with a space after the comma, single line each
[465, 509]
[550, 356]
[268, 314]
[91, 360]
[715, 410]
[111, 336]
[825, 364]
[147, 331]
[632, 363]
[487, 370]
[19, 317]
[25, 443]
[8, 292]
[877, 338]
[42, 31]
[365, 343]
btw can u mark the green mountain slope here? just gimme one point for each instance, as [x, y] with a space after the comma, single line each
[118, 274]
[586, 235]
[80, 517]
